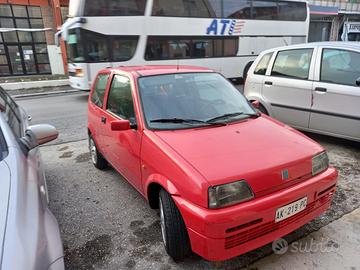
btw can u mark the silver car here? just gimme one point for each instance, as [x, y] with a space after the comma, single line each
[313, 87]
[29, 233]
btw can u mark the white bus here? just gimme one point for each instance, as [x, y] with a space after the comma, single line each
[225, 35]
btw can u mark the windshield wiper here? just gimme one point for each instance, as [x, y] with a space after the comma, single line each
[185, 121]
[230, 115]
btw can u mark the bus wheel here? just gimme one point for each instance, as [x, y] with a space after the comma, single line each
[246, 70]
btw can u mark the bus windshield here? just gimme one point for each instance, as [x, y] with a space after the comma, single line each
[75, 49]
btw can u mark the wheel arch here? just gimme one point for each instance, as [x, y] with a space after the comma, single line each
[153, 187]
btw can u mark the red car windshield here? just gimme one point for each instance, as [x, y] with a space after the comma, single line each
[185, 100]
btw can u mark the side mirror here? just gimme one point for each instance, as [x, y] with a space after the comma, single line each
[38, 135]
[358, 81]
[256, 104]
[120, 125]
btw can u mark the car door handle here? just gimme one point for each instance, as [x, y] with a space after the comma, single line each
[268, 83]
[321, 89]
[103, 120]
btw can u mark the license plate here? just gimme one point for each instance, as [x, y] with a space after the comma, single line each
[290, 209]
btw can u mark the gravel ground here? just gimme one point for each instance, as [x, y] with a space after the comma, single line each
[106, 224]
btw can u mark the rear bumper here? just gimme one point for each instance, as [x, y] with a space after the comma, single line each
[218, 235]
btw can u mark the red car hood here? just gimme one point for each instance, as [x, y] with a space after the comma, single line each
[262, 151]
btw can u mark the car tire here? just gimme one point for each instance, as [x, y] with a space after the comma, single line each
[97, 158]
[173, 229]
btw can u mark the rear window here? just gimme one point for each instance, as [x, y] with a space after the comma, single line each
[11, 112]
[263, 64]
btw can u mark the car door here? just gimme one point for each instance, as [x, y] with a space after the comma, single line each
[336, 101]
[287, 86]
[123, 147]
[95, 110]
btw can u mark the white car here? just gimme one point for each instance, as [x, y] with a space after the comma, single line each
[313, 87]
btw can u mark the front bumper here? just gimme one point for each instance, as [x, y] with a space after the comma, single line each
[221, 234]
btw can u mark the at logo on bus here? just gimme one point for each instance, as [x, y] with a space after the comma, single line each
[225, 27]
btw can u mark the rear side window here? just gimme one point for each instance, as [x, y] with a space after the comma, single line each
[120, 100]
[263, 64]
[293, 64]
[11, 112]
[340, 66]
[99, 90]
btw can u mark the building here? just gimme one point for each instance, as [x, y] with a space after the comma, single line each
[27, 43]
[328, 17]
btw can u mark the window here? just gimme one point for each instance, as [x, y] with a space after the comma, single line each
[11, 112]
[120, 100]
[114, 7]
[88, 46]
[123, 48]
[96, 47]
[99, 89]
[263, 64]
[340, 66]
[19, 11]
[21, 56]
[293, 63]
[198, 96]
[5, 11]
[165, 48]
[354, 37]
[292, 11]
[264, 10]
[236, 9]
[183, 8]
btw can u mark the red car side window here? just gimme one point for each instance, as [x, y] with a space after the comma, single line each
[99, 90]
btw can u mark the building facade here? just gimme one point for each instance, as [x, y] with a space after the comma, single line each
[330, 17]
[27, 44]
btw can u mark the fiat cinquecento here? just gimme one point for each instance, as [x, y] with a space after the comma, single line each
[226, 178]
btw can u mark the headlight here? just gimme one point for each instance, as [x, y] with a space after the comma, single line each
[79, 72]
[229, 194]
[320, 163]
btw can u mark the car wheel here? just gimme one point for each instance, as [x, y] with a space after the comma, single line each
[173, 229]
[263, 110]
[96, 158]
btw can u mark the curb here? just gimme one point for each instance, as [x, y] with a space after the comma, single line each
[47, 93]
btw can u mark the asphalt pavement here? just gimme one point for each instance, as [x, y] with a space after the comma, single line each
[106, 224]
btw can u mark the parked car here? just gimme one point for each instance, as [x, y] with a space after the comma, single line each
[227, 179]
[313, 87]
[29, 233]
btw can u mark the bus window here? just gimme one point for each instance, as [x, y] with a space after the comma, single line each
[237, 9]
[203, 48]
[114, 7]
[292, 11]
[264, 10]
[123, 49]
[166, 48]
[96, 47]
[183, 8]
[75, 48]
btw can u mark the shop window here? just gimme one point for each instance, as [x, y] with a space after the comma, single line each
[5, 10]
[34, 12]
[19, 11]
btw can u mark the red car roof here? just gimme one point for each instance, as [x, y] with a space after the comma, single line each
[158, 70]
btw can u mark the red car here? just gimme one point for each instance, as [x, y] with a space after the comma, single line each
[226, 178]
